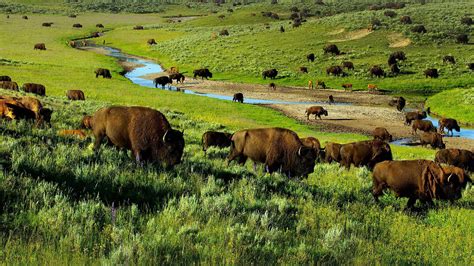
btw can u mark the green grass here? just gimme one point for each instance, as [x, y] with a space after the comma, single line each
[456, 103]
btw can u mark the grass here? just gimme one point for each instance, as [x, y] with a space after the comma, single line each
[454, 104]
[61, 204]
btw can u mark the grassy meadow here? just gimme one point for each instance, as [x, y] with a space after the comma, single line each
[59, 203]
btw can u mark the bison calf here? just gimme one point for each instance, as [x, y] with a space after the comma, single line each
[215, 139]
[449, 124]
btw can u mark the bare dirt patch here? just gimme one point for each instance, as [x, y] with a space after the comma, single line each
[353, 35]
[398, 41]
[336, 32]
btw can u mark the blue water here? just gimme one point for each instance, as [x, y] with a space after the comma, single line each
[150, 67]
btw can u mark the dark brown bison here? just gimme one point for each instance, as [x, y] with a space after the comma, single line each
[9, 85]
[13, 110]
[398, 55]
[457, 157]
[151, 41]
[431, 72]
[317, 111]
[86, 122]
[334, 70]
[272, 86]
[382, 134]
[365, 153]
[34, 88]
[238, 97]
[138, 27]
[432, 138]
[410, 116]
[449, 59]
[419, 179]
[72, 16]
[390, 13]
[270, 73]
[333, 152]
[462, 38]
[449, 124]
[46, 114]
[105, 73]
[215, 139]
[77, 25]
[144, 131]
[467, 21]
[5, 78]
[163, 81]
[398, 102]
[423, 125]
[99, 25]
[177, 76]
[314, 143]
[203, 73]
[47, 24]
[331, 99]
[419, 29]
[40, 46]
[224, 33]
[278, 148]
[24, 17]
[75, 95]
[310, 57]
[282, 29]
[348, 65]
[377, 71]
[331, 49]
[303, 69]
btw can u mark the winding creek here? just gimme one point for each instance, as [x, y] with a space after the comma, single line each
[147, 67]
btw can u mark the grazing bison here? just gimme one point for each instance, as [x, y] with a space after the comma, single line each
[303, 69]
[177, 76]
[9, 85]
[410, 116]
[72, 132]
[99, 25]
[40, 46]
[47, 24]
[333, 152]
[215, 139]
[390, 13]
[238, 97]
[46, 114]
[105, 73]
[13, 110]
[320, 83]
[151, 41]
[431, 72]
[330, 99]
[5, 78]
[334, 70]
[270, 73]
[162, 81]
[348, 65]
[418, 179]
[77, 25]
[377, 71]
[449, 59]
[331, 49]
[314, 143]
[405, 20]
[34, 88]
[398, 55]
[347, 86]
[423, 125]
[278, 148]
[203, 73]
[449, 124]
[75, 95]
[34, 105]
[382, 134]
[310, 57]
[86, 122]
[457, 157]
[419, 29]
[462, 38]
[144, 131]
[138, 27]
[432, 138]
[317, 111]
[365, 153]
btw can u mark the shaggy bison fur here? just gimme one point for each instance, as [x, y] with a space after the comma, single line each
[334, 70]
[398, 102]
[382, 134]
[77, 25]
[216, 139]
[177, 76]
[314, 143]
[163, 81]
[105, 73]
[449, 124]
[348, 65]
[9, 85]
[423, 125]
[410, 116]
[432, 138]
[151, 41]
[86, 122]
[461, 158]
[5, 78]
[333, 152]
[377, 71]
[449, 59]
[38, 89]
[365, 153]
[331, 49]
[310, 57]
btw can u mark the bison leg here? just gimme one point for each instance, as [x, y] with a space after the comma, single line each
[98, 139]
[96, 75]
[410, 203]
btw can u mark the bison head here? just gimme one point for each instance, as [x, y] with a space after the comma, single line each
[452, 181]
[305, 161]
[173, 143]
[325, 112]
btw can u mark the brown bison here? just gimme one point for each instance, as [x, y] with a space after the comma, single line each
[224, 33]
[470, 66]
[24, 17]
[331, 99]
[347, 86]
[86, 122]
[331, 49]
[278, 148]
[348, 65]
[410, 116]
[163, 81]
[272, 86]
[238, 97]
[105, 73]
[457, 157]
[365, 153]
[5, 78]
[75, 95]
[432, 138]
[449, 124]
[405, 20]
[40, 46]
[13, 110]
[72, 132]
[423, 125]
[47, 24]
[334, 70]
[431, 73]
[449, 59]
[144, 131]
[99, 25]
[9, 85]
[138, 27]
[320, 83]
[310, 57]
[203, 73]
[419, 179]
[333, 152]
[317, 111]
[394, 69]
[419, 29]
[151, 41]
[398, 102]
[377, 71]
[303, 69]
[34, 88]
[215, 139]
[314, 143]
[382, 134]
[271, 73]
[77, 25]
[178, 77]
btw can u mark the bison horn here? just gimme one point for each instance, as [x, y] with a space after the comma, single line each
[449, 177]
[164, 136]
[299, 150]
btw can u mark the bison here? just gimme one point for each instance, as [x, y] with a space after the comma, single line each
[423, 125]
[77, 25]
[331, 99]
[457, 157]
[382, 134]
[398, 102]
[99, 25]
[151, 41]
[470, 66]
[331, 49]
[144, 131]
[419, 179]
[13, 110]
[432, 138]
[365, 153]
[398, 55]
[449, 124]
[314, 143]
[203, 73]
[5, 78]
[238, 97]
[105, 73]
[86, 122]
[40, 46]
[303, 69]
[310, 57]
[75, 95]
[334, 70]
[371, 88]
[449, 59]
[138, 27]
[410, 116]
[320, 83]
[394, 69]
[317, 111]
[9, 85]
[163, 80]
[419, 29]
[224, 33]
[270, 73]
[177, 76]
[348, 65]
[215, 139]
[272, 86]
[278, 148]
[377, 71]
[462, 38]
[47, 24]
[431, 72]
[24, 17]
[34, 88]
[333, 152]
[347, 86]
